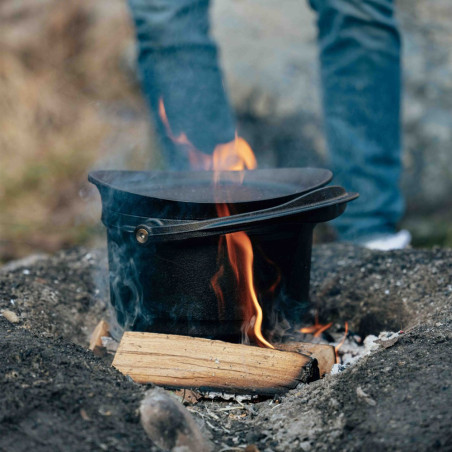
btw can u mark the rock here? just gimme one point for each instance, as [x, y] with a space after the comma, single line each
[268, 54]
[365, 397]
[11, 316]
[169, 424]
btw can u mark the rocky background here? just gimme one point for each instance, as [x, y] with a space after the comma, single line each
[69, 101]
[273, 79]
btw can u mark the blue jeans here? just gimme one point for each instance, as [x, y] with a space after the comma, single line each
[360, 48]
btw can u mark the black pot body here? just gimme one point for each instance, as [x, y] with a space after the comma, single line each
[166, 287]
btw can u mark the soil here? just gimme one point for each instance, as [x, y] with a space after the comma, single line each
[56, 395]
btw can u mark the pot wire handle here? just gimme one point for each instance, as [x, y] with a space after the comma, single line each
[319, 198]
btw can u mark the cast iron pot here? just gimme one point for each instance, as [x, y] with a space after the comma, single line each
[163, 236]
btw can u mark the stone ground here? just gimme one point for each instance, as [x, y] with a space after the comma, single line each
[57, 396]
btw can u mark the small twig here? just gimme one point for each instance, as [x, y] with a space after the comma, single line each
[192, 410]
[212, 414]
[218, 429]
[246, 407]
[229, 408]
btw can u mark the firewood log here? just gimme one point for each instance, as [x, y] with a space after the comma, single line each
[189, 362]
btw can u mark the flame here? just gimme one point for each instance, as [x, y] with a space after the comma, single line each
[197, 159]
[317, 329]
[277, 280]
[215, 281]
[341, 343]
[235, 155]
[241, 256]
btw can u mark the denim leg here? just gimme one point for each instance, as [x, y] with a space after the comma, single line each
[360, 48]
[178, 62]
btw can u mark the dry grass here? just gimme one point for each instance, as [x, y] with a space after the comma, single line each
[60, 66]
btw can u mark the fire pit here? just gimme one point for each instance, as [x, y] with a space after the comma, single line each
[168, 273]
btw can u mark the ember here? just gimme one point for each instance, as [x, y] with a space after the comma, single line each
[317, 329]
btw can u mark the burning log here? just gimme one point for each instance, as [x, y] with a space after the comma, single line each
[189, 362]
[324, 354]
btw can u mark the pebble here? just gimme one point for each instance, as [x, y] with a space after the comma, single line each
[11, 316]
[365, 397]
[170, 425]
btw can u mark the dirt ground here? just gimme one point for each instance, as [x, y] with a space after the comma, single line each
[57, 396]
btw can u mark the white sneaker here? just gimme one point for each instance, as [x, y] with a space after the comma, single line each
[397, 241]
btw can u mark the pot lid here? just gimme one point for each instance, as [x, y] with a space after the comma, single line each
[194, 194]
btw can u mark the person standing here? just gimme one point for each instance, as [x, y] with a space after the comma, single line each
[360, 59]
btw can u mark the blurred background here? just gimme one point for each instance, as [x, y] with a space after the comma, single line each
[70, 102]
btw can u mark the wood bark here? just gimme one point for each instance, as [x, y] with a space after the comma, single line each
[189, 362]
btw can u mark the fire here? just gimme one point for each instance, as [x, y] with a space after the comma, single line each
[240, 252]
[235, 155]
[317, 329]
[341, 343]
[197, 159]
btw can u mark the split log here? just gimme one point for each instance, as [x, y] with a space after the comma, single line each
[188, 362]
[324, 354]
[95, 344]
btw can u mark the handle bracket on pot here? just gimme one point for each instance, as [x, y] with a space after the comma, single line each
[144, 231]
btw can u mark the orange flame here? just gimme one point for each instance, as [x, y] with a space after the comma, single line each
[240, 252]
[235, 155]
[215, 281]
[341, 343]
[317, 329]
[197, 159]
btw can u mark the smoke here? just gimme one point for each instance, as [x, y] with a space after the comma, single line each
[126, 291]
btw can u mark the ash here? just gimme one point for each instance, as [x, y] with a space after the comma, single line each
[352, 351]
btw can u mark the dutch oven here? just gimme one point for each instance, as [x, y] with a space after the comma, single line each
[163, 234]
